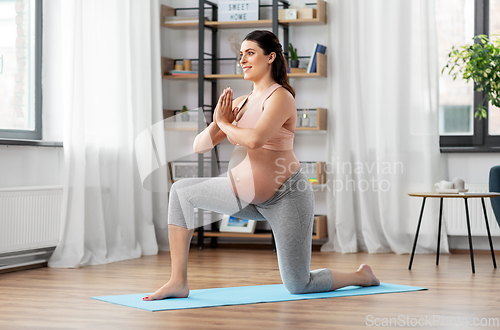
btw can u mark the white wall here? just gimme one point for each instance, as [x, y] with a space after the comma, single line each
[471, 167]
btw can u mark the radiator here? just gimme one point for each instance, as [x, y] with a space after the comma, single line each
[455, 218]
[29, 218]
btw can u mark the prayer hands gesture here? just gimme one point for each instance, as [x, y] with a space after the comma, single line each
[223, 112]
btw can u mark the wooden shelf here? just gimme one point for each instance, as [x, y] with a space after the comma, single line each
[321, 123]
[180, 26]
[243, 24]
[169, 76]
[247, 235]
[240, 76]
[320, 223]
[239, 24]
[320, 19]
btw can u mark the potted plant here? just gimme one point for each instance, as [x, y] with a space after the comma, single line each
[481, 63]
[184, 113]
[294, 59]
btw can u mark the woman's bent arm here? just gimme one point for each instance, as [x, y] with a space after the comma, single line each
[208, 138]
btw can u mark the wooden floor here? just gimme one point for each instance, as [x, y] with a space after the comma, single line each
[49, 298]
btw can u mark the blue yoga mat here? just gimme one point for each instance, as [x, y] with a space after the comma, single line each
[245, 295]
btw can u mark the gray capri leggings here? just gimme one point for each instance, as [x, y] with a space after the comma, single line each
[289, 212]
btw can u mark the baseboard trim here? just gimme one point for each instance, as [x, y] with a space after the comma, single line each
[478, 252]
[25, 267]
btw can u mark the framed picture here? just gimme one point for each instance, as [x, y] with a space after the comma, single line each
[238, 225]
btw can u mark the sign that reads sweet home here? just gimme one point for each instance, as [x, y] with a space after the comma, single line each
[238, 10]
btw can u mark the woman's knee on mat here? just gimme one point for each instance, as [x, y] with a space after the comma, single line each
[319, 280]
[296, 286]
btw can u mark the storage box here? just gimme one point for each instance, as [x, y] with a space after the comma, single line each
[302, 13]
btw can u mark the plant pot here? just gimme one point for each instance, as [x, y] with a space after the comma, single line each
[185, 116]
[294, 63]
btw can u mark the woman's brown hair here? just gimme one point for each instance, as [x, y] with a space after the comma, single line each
[269, 43]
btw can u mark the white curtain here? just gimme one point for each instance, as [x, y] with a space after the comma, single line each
[383, 132]
[110, 91]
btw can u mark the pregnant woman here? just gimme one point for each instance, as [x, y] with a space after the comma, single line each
[264, 181]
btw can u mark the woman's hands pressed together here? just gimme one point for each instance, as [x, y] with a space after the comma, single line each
[223, 112]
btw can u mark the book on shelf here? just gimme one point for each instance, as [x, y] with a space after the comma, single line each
[181, 72]
[318, 48]
[181, 19]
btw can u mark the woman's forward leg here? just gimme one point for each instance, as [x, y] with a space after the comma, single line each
[213, 194]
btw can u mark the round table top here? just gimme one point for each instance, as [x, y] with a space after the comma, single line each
[458, 195]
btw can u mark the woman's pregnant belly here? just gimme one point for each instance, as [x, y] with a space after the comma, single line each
[256, 175]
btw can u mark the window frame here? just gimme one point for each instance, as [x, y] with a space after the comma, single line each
[480, 141]
[7, 136]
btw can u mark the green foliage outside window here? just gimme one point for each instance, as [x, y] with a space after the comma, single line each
[481, 63]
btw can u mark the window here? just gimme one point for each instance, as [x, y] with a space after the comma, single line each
[20, 69]
[457, 22]
[494, 112]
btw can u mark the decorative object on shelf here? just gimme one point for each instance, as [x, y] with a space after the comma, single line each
[186, 65]
[305, 119]
[234, 41]
[244, 10]
[316, 120]
[185, 114]
[296, 10]
[179, 67]
[291, 13]
[294, 59]
[311, 68]
[232, 224]
[481, 63]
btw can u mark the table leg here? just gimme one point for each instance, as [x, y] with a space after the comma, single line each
[470, 236]
[416, 234]
[439, 229]
[489, 234]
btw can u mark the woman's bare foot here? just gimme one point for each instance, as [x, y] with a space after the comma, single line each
[169, 290]
[368, 278]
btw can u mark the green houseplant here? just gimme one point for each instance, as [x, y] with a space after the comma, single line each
[184, 113]
[294, 59]
[481, 63]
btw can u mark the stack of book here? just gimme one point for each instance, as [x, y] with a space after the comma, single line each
[181, 19]
[311, 68]
[182, 73]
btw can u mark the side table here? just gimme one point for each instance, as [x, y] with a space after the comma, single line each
[465, 196]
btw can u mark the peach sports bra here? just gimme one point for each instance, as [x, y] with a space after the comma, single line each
[283, 139]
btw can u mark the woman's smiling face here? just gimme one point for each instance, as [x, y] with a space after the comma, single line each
[253, 61]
